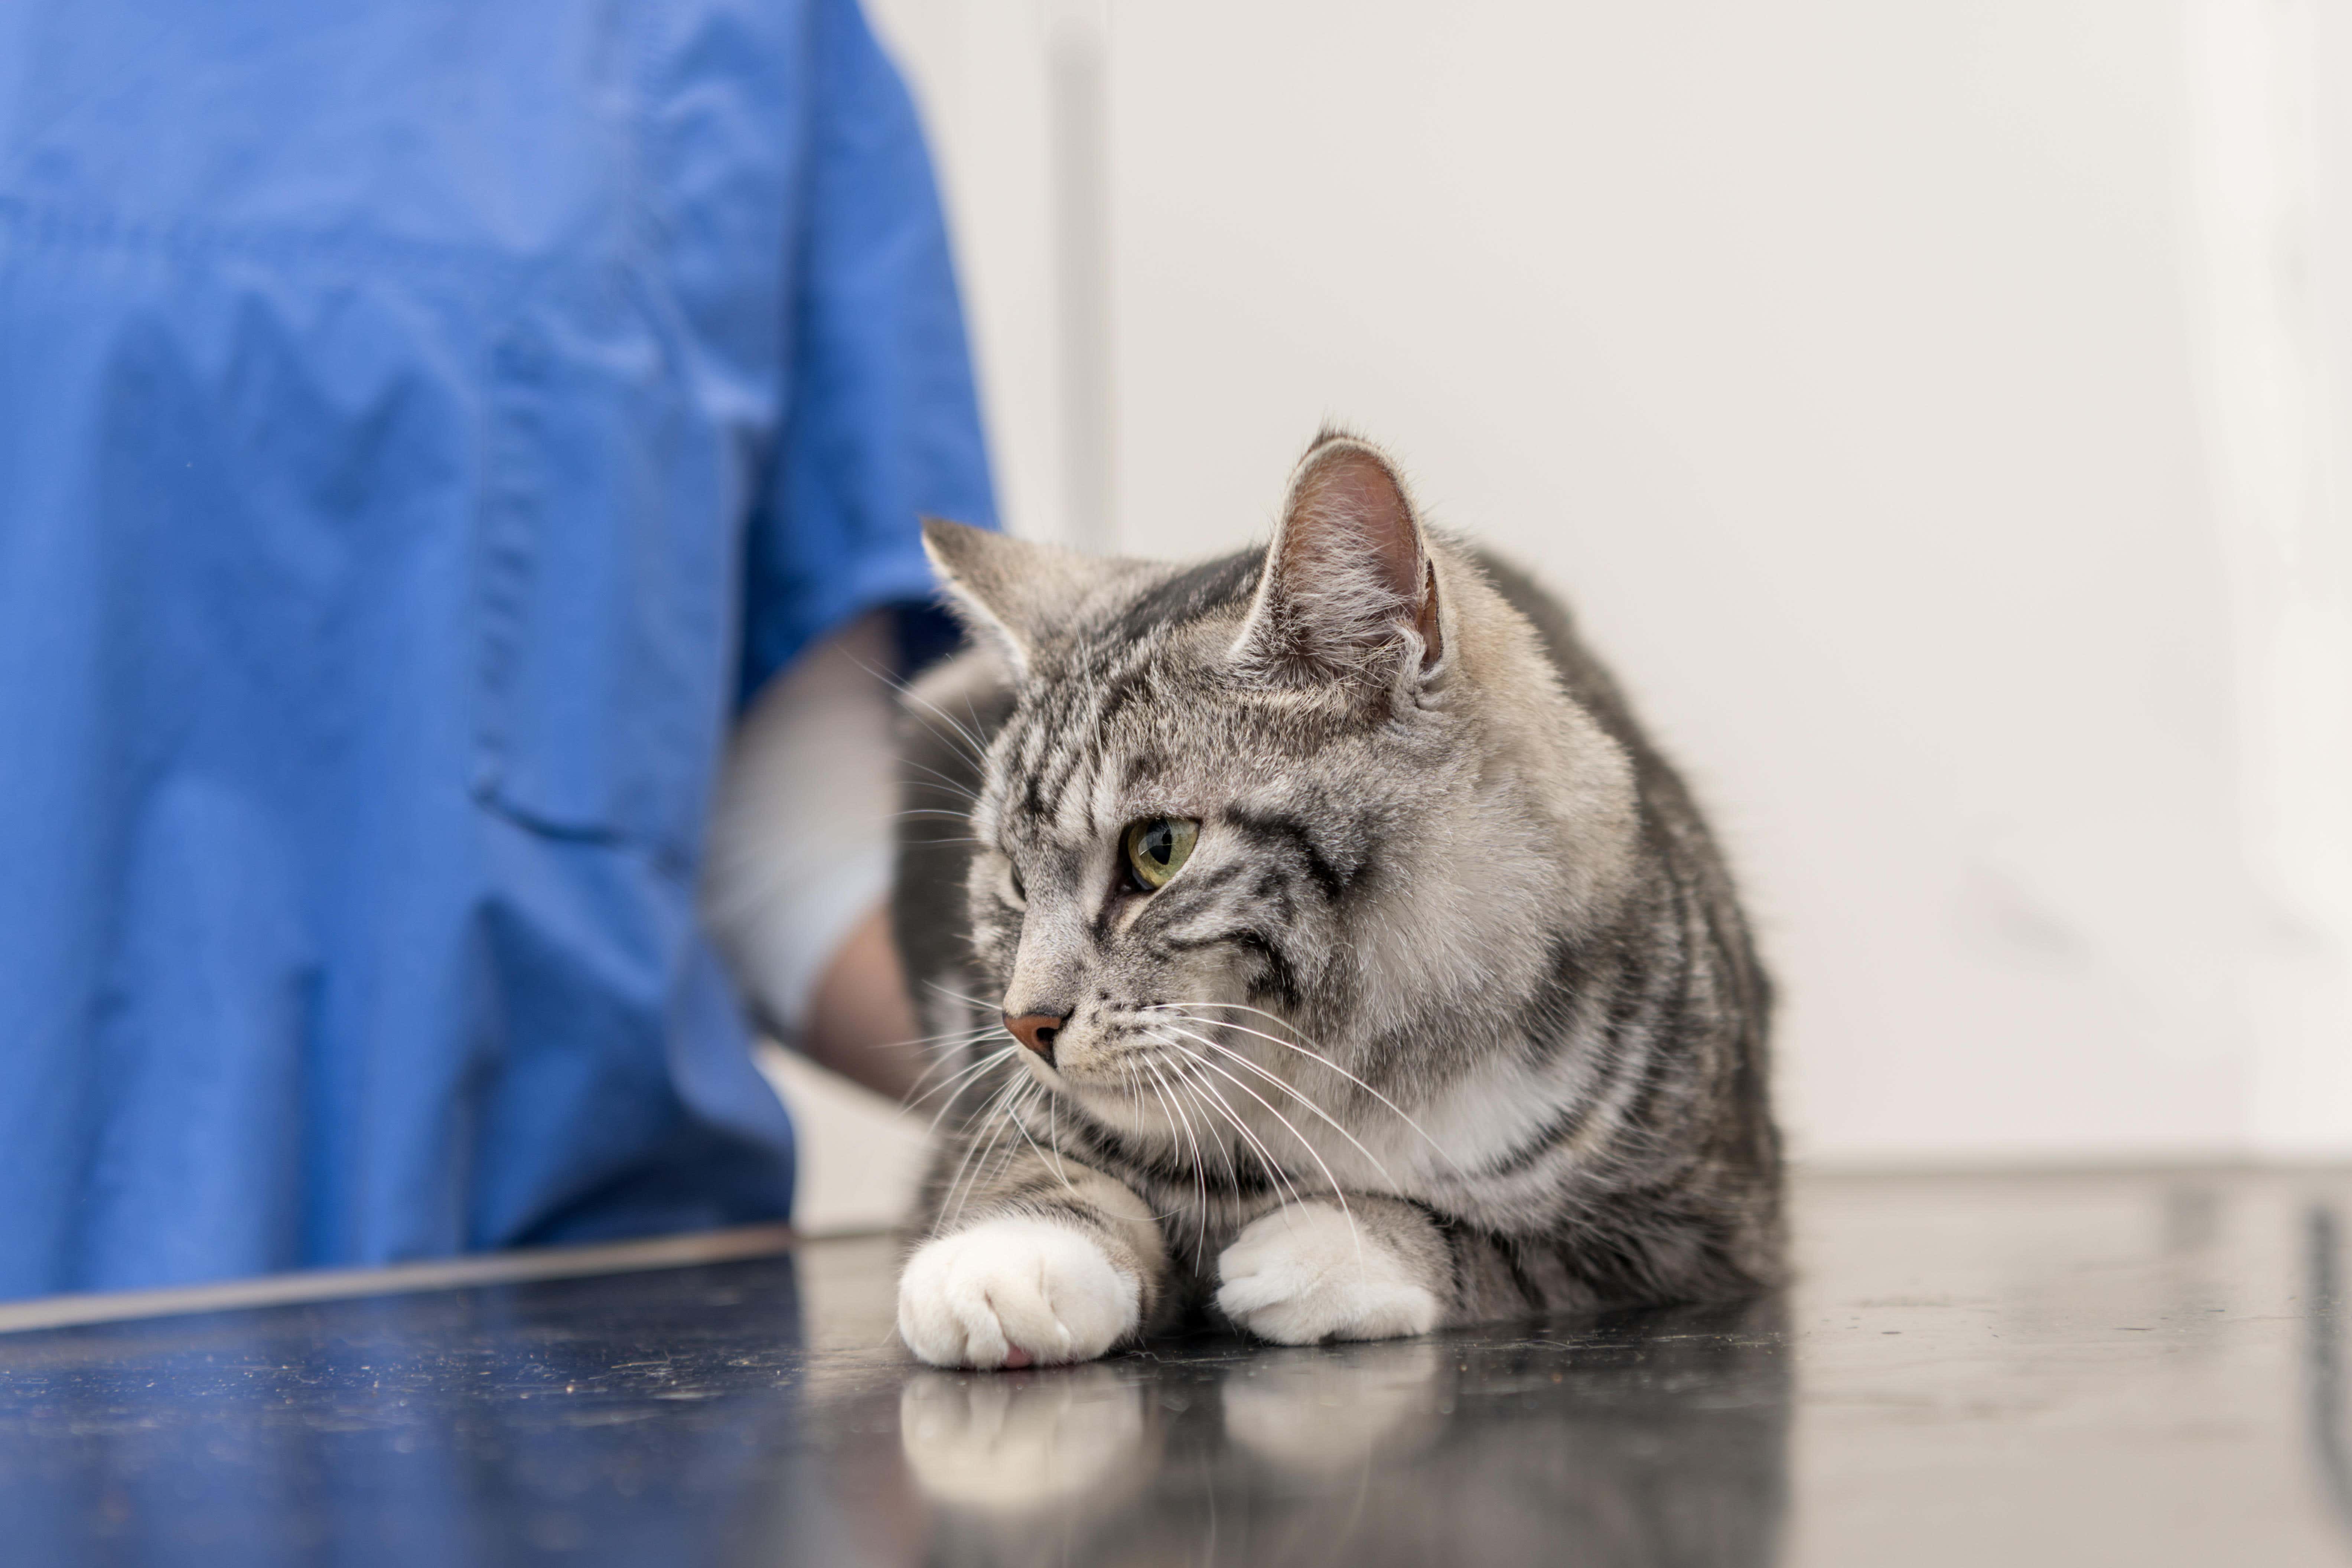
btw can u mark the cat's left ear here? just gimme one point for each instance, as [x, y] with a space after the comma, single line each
[1349, 590]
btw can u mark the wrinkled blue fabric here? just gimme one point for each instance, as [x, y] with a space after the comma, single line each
[421, 423]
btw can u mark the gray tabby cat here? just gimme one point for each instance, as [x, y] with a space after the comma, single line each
[1317, 939]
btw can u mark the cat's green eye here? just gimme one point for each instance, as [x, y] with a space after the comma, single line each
[1156, 849]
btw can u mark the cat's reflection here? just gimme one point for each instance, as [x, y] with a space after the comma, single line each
[1012, 1445]
[1652, 1437]
[1323, 1414]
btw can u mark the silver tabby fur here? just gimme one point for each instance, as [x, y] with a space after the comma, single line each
[1455, 955]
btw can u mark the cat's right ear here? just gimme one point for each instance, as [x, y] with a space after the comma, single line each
[1007, 592]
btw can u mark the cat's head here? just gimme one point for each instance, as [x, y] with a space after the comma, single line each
[1329, 795]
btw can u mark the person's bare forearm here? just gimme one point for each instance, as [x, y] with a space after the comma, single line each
[800, 863]
[860, 1023]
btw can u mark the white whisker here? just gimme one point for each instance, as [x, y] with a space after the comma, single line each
[1199, 1173]
[959, 1085]
[946, 781]
[979, 750]
[1051, 1136]
[949, 1045]
[1339, 1195]
[990, 1008]
[952, 1049]
[956, 1189]
[1265, 1155]
[1135, 1088]
[1295, 1093]
[1311, 1054]
[1010, 1116]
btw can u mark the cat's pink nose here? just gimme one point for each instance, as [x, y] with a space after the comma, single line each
[1037, 1031]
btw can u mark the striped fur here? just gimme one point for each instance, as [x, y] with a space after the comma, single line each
[1456, 958]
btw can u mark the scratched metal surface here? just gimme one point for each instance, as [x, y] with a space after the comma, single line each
[2143, 1368]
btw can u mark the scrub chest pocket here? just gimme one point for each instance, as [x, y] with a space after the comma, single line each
[603, 581]
[345, 494]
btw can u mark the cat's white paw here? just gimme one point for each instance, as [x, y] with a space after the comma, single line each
[1298, 1276]
[1013, 1292]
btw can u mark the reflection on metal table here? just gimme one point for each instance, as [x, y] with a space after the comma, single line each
[2134, 1367]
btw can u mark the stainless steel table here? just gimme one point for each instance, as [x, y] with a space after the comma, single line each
[2138, 1367]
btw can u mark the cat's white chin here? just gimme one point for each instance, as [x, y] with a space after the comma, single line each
[1015, 1291]
[1303, 1273]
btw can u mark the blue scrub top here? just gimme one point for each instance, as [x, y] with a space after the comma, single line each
[421, 422]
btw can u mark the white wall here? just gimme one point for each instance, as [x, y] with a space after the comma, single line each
[1898, 392]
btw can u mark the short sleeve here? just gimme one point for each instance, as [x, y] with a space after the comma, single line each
[882, 423]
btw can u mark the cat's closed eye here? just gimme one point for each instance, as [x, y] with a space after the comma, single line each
[1157, 849]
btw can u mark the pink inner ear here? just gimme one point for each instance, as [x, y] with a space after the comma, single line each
[1351, 573]
[1350, 517]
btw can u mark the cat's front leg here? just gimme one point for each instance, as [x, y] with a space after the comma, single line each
[1375, 1269]
[1034, 1277]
